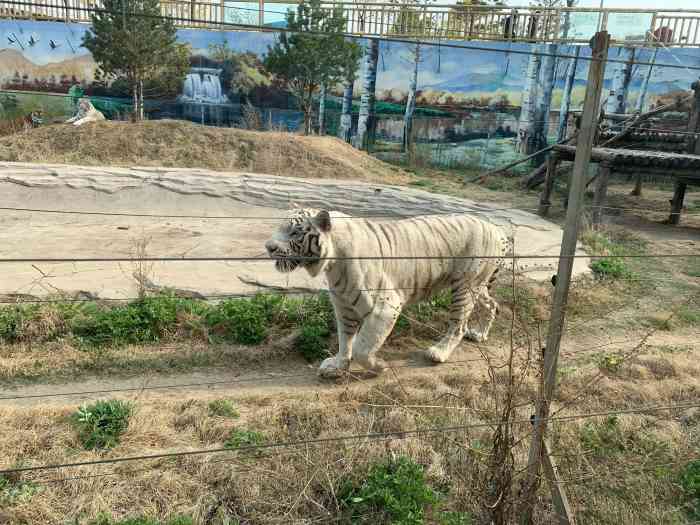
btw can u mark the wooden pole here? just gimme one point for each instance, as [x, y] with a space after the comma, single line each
[589, 120]
[601, 191]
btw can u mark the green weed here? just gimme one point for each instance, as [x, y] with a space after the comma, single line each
[394, 492]
[244, 438]
[611, 363]
[223, 408]
[20, 491]
[101, 424]
[690, 483]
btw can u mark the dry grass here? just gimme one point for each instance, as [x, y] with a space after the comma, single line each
[186, 145]
[616, 465]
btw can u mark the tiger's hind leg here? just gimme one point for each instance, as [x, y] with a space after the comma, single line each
[463, 299]
[482, 316]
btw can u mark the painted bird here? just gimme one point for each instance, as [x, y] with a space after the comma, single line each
[33, 41]
[53, 45]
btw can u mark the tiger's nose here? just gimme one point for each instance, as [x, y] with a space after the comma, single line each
[271, 246]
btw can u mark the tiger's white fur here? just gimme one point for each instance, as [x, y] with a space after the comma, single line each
[86, 113]
[368, 295]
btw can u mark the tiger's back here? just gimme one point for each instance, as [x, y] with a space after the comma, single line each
[416, 256]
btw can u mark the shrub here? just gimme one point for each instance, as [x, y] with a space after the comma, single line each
[101, 424]
[144, 321]
[455, 518]
[611, 267]
[395, 489]
[312, 342]
[223, 408]
[242, 321]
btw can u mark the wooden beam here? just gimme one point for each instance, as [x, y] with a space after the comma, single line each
[565, 514]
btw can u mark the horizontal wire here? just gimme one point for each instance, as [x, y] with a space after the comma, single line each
[258, 28]
[399, 434]
[16, 260]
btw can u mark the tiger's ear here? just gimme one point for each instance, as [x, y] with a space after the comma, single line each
[322, 221]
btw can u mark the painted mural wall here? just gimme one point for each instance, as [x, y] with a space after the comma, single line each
[468, 100]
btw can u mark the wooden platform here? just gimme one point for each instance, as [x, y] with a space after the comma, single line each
[678, 165]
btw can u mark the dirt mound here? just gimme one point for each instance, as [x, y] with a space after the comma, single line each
[181, 144]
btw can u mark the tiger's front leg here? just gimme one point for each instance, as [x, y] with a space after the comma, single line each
[348, 324]
[374, 331]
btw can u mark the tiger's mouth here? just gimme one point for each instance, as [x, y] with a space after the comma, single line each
[286, 265]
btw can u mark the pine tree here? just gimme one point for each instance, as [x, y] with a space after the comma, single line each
[130, 40]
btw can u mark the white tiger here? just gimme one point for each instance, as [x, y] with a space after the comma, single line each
[86, 113]
[375, 268]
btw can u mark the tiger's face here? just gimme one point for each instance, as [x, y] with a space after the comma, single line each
[299, 241]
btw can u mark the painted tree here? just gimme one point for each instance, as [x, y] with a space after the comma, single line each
[528, 108]
[406, 135]
[349, 76]
[322, 110]
[130, 41]
[645, 83]
[313, 54]
[544, 99]
[617, 98]
[366, 120]
[566, 95]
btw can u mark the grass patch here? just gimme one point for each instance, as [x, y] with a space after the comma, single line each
[612, 243]
[101, 424]
[223, 408]
[105, 519]
[608, 439]
[394, 491]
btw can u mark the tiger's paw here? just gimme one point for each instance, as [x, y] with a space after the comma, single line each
[475, 336]
[331, 369]
[437, 354]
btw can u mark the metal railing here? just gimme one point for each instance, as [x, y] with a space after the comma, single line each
[673, 28]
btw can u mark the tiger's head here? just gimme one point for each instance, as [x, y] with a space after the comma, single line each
[301, 241]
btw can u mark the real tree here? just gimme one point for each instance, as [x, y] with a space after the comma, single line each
[314, 53]
[133, 44]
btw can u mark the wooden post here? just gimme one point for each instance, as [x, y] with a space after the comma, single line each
[601, 191]
[677, 202]
[589, 120]
[565, 514]
[550, 175]
[694, 123]
[637, 191]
